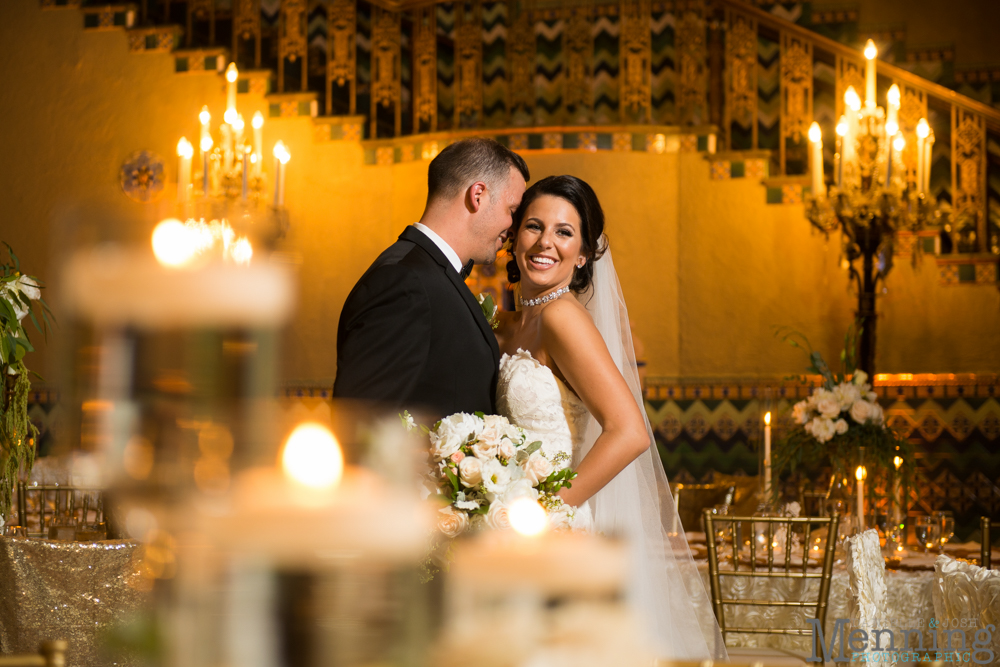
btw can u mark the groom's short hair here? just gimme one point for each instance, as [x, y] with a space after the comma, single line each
[464, 162]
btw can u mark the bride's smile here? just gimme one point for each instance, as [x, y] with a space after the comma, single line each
[548, 245]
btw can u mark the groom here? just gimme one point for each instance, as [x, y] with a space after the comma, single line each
[411, 333]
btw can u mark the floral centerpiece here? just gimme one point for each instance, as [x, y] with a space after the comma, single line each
[842, 424]
[478, 466]
[20, 294]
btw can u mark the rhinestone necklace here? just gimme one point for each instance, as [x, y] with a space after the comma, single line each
[543, 299]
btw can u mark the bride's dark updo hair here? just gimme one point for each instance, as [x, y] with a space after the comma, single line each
[582, 197]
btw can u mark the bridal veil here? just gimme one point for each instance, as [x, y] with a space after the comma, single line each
[666, 588]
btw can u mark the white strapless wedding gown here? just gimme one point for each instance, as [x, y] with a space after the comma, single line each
[532, 397]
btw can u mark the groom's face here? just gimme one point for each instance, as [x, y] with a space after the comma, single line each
[495, 218]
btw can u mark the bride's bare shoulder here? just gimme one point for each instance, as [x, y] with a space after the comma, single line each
[565, 314]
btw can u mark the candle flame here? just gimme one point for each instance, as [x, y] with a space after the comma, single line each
[206, 144]
[923, 129]
[238, 123]
[871, 51]
[767, 418]
[312, 457]
[258, 120]
[241, 251]
[861, 473]
[204, 116]
[899, 143]
[897, 461]
[173, 243]
[527, 517]
[281, 152]
[230, 116]
[184, 148]
[893, 95]
[891, 128]
[232, 73]
[815, 134]
[851, 99]
[842, 127]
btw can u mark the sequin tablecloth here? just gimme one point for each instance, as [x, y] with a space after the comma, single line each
[65, 590]
[909, 603]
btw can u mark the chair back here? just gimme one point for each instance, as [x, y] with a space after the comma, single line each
[755, 557]
[866, 569]
[986, 548]
[690, 499]
[41, 506]
[50, 654]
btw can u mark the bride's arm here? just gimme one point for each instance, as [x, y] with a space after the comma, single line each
[579, 352]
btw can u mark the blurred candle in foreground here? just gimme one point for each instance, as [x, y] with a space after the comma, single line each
[839, 158]
[173, 244]
[281, 158]
[527, 517]
[232, 74]
[206, 146]
[816, 160]
[205, 117]
[246, 165]
[258, 141]
[312, 457]
[871, 52]
[767, 454]
[860, 475]
[923, 131]
[184, 153]
[897, 495]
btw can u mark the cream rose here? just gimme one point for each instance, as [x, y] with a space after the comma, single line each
[470, 471]
[878, 416]
[497, 517]
[846, 395]
[840, 426]
[484, 449]
[452, 523]
[800, 412]
[859, 378]
[861, 411]
[506, 448]
[537, 468]
[821, 428]
[828, 406]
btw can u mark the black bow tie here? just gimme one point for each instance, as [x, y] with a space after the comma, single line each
[466, 270]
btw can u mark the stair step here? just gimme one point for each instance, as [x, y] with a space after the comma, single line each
[292, 105]
[109, 17]
[201, 61]
[158, 39]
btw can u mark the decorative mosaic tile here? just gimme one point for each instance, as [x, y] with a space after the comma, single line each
[534, 142]
[552, 140]
[288, 109]
[166, 41]
[587, 141]
[196, 64]
[136, 42]
[755, 169]
[429, 150]
[352, 132]
[948, 274]
[721, 170]
[791, 194]
[519, 142]
[688, 143]
[384, 155]
[905, 244]
[986, 273]
[321, 132]
[621, 141]
[141, 176]
[656, 143]
[259, 85]
[737, 169]
[406, 153]
[966, 273]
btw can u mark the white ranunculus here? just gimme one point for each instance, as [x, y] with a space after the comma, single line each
[821, 428]
[496, 477]
[506, 448]
[28, 288]
[800, 412]
[498, 517]
[846, 394]
[537, 468]
[861, 411]
[452, 523]
[859, 378]
[841, 426]
[470, 471]
[828, 406]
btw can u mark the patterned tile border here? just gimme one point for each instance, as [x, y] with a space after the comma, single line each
[616, 139]
[786, 189]
[162, 39]
[255, 82]
[200, 61]
[973, 270]
[292, 105]
[109, 17]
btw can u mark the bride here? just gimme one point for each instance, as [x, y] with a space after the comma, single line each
[568, 375]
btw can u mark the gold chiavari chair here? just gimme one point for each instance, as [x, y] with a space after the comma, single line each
[986, 548]
[50, 654]
[690, 499]
[40, 507]
[717, 527]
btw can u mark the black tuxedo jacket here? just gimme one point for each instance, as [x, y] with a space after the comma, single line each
[411, 335]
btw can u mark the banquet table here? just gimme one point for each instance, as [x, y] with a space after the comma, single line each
[75, 591]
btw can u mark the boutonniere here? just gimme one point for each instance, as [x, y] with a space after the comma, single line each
[489, 309]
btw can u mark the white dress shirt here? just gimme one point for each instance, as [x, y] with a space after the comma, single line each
[442, 244]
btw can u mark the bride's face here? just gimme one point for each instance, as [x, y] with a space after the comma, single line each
[548, 244]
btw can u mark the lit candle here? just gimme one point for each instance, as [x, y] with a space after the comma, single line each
[870, 53]
[928, 165]
[767, 454]
[184, 153]
[892, 110]
[860, 474]
[238, 126]
[227, 144]
[816, 160]
[231, 75]
[839, 157]
[897, 493]
[206, 147]
[895, 149]
[281, 157]
[246, 161]
[923, 130]
[258, 141]
[852, 105]
[205, 118]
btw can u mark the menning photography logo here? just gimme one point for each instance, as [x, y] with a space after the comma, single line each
[905, 645]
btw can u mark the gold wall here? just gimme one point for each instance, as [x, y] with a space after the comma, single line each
[708, 267]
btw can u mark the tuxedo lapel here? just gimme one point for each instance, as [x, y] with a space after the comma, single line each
[414, 235]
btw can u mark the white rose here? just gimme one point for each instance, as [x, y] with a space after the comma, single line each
[560, 516]
[861, 411]
[871, 396]
[452, 523]
[497, 517]
[821, 428]
[537, 468]
[800, 412]
[452, 433]
[860, 377]
[484, 449]
[828, 406]
[840, 426]
[496, 477]
[28, 288]
[470, 471]
[846, 395]
[521, 488]
[506, 448]
[878, 416]
[818, 394]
